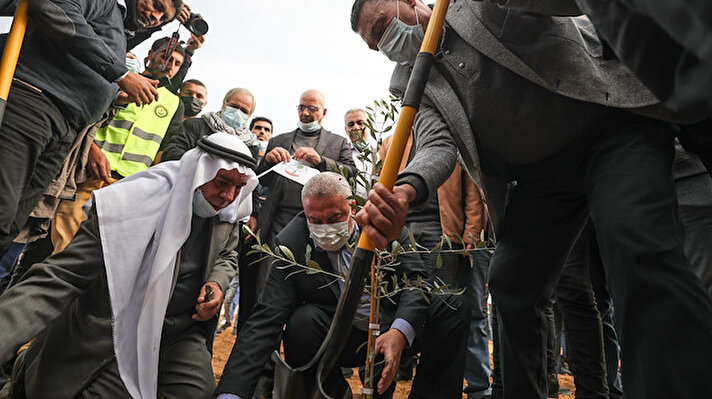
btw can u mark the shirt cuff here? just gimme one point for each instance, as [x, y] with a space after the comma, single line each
[121, 77]
[403, 326]
[228, 396]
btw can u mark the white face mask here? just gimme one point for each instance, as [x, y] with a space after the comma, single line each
[234, 117]
[401, 42]
[330, 237]
[201, 206]
[310, 127]
[133, 65]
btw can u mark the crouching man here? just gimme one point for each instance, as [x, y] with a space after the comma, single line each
[306, 303]
[127, 308]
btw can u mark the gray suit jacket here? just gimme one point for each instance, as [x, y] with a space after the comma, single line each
[68, 295]
[561, 54]
[335, 152]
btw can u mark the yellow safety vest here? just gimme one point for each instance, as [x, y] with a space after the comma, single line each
[132, 138]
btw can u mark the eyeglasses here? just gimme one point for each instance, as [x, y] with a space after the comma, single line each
[311, 108]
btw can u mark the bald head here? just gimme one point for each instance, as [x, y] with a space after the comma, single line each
[313, 95]
[312, 106]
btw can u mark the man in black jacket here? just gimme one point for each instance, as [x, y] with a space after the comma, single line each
[237, 107]
[72, 60]
[311, 144]
[306, 303]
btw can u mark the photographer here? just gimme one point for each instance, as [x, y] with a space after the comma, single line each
[197, 27]
[130, 141]
[73, 58]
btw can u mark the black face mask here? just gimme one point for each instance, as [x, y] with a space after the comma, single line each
[191, 105]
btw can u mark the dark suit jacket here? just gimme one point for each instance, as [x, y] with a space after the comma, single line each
[284, 292]
[562, 55]
[68, 293]
[335, 152]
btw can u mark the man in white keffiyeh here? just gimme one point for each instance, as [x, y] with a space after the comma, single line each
[128, 308]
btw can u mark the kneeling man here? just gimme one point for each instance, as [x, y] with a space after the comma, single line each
[127, 309]
[306, 303]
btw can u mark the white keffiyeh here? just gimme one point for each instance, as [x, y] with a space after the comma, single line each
[143, 221]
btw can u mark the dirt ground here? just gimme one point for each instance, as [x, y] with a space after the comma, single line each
[223, 346]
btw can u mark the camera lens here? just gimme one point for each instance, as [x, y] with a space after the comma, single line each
[197, 25]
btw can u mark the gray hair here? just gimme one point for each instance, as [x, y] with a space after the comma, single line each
[353, 111]
[327, 184]
[240, 90]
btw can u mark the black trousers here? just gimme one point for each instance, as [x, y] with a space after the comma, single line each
[604, 304]
[441, 345]
[34, 140]
[622, 178]
[582, 323]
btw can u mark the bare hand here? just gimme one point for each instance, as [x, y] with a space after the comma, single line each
[122, 99]
[277, 155]
[383, 216]
[139, 89]
[184, 14]
[307, 154]
[194, 43]
[98, 164]
[390, 344]
[252, 225]
[206, 310]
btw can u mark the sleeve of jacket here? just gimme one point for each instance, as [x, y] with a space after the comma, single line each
[7, 8]
[412, 302]
[49, 287]
[175, 128]
[182, 140]
[475, 215]
[345, 159]
[260, 336]
[64, 22]
[225, 266]
[263, 166]
[435, 155]
[561, 8]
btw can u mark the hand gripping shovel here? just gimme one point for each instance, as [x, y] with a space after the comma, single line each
[306, 381]
[11, 53]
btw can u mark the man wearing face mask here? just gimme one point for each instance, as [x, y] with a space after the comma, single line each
[309, 143]
[71, 67]
[237, 107]
[304, 305]
[556, 130]
[194, 97]
[132, 301]
[365, 155]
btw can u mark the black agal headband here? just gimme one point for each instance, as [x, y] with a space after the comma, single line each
[227, 153]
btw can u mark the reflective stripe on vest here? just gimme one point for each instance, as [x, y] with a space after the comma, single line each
[132, 138]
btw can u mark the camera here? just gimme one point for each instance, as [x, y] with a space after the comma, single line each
[196, 25]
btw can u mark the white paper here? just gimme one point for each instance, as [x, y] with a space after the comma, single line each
[293, 170]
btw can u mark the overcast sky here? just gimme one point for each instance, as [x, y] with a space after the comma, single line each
[278, 49]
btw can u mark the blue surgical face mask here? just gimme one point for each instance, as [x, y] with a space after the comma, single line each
[310, 127]
[201, 206]
[133, 65]
[234, 118]
[401, 42]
